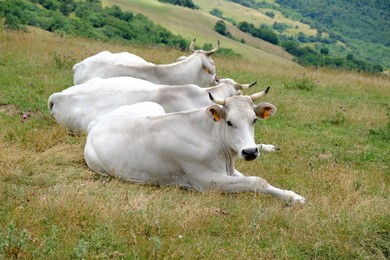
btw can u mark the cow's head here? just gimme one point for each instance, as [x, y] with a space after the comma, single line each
[237, 116]
[207, 71]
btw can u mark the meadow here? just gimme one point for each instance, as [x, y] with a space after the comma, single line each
[333, 128]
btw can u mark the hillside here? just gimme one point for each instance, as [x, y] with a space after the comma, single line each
[310, 46]
[358, 27]
[199, 23]
[265, 31]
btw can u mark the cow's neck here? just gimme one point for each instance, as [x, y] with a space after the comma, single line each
[178, 72]
[214, 132]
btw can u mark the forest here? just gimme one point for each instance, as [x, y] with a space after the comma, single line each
[363, 26]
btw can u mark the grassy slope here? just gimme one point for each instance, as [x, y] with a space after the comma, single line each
[199, 24]
[241, 13]
[52, 206]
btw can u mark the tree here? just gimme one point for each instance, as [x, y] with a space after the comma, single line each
[220, 27]
[216, 12]
[324, 51]
[270, 14]
[185, 3]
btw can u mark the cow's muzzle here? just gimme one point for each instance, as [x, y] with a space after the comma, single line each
[250, 154]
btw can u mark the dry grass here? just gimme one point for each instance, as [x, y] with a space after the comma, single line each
[52, 205]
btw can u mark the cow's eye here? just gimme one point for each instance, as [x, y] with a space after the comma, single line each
[255, 121]
[229, 123]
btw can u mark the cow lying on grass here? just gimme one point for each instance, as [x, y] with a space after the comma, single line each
[197, 68]
[77, 106]
[192, 149]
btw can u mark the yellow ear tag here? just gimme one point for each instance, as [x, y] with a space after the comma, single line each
[266, 113]
[206, 70]
[216, 117]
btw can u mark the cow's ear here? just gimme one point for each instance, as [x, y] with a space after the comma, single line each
[215, 112]
[265, 110]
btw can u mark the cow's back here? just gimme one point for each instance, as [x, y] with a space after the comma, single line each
[105, 65]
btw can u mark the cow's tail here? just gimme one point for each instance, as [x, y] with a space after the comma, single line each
[50, 103]
[74, 68]
[77, 78]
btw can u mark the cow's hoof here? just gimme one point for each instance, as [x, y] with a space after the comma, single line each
[295, 198]
[269, 148]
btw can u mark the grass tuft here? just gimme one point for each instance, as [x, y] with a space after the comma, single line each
[301, 84]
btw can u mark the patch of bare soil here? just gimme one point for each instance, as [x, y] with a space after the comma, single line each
[9, 109]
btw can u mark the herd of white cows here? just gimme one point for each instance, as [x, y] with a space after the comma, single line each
[171, 124]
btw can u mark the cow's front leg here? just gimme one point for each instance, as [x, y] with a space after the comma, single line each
[251, 183]
[268, 147]
[287, 195]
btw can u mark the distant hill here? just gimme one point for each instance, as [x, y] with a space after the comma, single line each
[317, 46]
[199, 24]
[270, 31]
[362, 27]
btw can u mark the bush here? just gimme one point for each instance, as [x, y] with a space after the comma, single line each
[301, 84]
[184, 3]
[262, 32]
[216, 12]
[270, 14]
[220, 27]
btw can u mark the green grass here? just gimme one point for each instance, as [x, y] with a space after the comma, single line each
[332, 128]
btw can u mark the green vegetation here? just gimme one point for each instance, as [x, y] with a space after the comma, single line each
[357, 27]
[310, 57]
[220, 27]
[262, 32]
[331, 126]
[185, 3]
[306, 56]
[87, 19]
[359, 19]
[216, 12]
[363, 26]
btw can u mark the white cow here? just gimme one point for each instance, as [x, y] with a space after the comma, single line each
[193, 149]
[196, 69]
[77, 106]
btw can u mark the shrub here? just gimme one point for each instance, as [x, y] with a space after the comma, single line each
[220, 27]
[270, 14]
[301, 84]
[184, 3]
[216, 12]
[262, 32]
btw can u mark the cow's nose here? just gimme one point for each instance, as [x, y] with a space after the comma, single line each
[250, 153]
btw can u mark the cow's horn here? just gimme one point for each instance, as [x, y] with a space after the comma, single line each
[219, 101]
[259, 95]
[192, 45]
[244, 86]
[209, 53]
